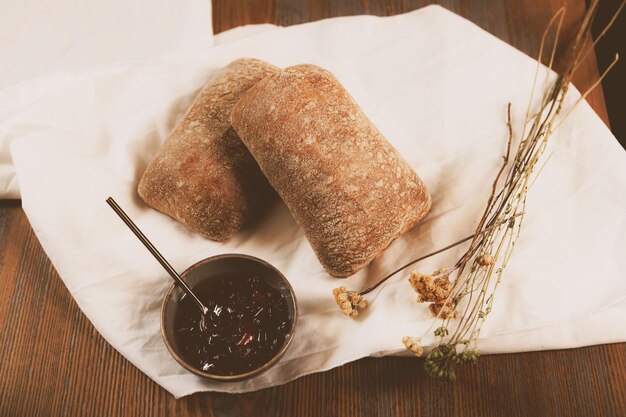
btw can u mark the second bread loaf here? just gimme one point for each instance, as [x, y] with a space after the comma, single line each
[203, 176]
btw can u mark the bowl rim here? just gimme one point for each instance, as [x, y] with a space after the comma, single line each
[249, 374]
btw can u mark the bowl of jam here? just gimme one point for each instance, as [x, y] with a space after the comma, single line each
[250, 322]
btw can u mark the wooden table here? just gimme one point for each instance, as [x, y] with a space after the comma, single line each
[53, 362]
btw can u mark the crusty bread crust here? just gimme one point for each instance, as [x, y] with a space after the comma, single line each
[346, 186]
[203, 176]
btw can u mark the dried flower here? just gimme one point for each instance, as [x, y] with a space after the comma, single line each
[441, 361]
[413, 344]
[485, 260]
[480, 267]
[349, 301]
[443, 310]
[435, 291]
[441, 331]
[430, 290]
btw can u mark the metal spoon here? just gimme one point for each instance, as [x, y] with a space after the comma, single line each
[170, 270]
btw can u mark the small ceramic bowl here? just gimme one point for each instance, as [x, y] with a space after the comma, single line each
[210, 268]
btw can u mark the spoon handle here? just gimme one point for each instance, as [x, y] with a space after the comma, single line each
[170, 270]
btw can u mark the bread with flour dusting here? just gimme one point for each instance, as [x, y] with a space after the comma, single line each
[347, 187]
[203, 175]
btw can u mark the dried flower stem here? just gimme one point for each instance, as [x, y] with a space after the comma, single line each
[367, 290]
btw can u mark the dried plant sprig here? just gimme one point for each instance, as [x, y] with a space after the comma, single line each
[479, 270]
[435, 289]
[349, 302]
[413, 345]
[440, 363]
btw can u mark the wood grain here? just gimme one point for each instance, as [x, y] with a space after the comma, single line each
[53, 362]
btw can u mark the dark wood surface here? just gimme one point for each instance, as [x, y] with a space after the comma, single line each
[53, 362]
[613, 85]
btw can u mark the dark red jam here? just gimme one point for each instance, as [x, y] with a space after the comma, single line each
[246, 326]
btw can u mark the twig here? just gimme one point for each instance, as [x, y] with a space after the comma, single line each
[367, 290]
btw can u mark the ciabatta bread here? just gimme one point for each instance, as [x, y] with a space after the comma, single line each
[346, 186]
[203, 175]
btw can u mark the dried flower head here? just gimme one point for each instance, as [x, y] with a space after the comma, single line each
[439, 362]
[485, 260]
[413, 344]
[443, 310]
[430, 290]
[435, 291]
[349, 301]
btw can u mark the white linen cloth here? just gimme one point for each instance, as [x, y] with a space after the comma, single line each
[437, 86]
[38, 38]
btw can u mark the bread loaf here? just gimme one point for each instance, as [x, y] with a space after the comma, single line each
[346, 186]
[203, 176]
